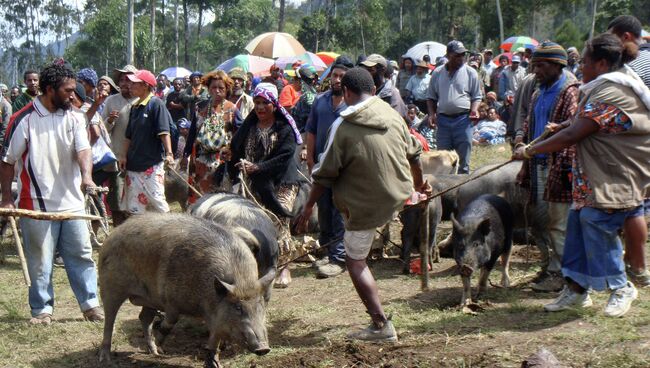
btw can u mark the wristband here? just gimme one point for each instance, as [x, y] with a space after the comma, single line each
[526, 154]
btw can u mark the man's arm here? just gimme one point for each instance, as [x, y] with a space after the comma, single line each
[85, 158]
[167, 145]
[310, 143]
[122, 160]
[6, 177]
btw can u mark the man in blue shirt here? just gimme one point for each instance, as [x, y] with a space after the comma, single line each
[324, 112]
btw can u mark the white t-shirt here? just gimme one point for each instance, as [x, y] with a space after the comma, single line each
[44, 149]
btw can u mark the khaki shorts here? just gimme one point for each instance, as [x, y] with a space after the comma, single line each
[357, 243]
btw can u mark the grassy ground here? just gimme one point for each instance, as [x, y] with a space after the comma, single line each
[308, 322]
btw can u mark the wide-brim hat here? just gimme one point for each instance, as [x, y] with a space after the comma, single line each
[127, 69]
[110, 81]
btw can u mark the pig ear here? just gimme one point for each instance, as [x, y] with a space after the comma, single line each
[266, 280]
[223, 288]
[484, 227]
[455, 223]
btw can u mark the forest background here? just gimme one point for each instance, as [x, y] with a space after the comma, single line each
[200, 34]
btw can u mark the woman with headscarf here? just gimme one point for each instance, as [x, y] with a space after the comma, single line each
[215, 131]
[610, 174]
[263, 150]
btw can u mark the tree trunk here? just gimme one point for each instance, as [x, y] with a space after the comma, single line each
[152, 32]
[401, 15]
[281, 16]
[176, 33]
[162, 7]
[129, 31]
[186, 35]
[593, 19]
[198, 35]
[500, 16]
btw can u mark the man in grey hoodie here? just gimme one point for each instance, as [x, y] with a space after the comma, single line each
[369, 146]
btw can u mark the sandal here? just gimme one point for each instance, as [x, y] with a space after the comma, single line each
[41, 319]
[94, 314]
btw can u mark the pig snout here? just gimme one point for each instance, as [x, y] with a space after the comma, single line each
[466, 270]
[257, 343]
[262, 351]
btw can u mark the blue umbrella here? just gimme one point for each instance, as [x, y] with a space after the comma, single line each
[176, 72]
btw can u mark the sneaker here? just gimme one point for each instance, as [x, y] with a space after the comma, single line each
[567, 299]
[641, 279]
[620, 300]
[321, 262]
[373, 333]
[553, 282]
[58, 262]
[330, 269]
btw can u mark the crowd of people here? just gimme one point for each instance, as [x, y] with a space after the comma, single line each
[580, 121]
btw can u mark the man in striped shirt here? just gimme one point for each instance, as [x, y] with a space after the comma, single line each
[47, 149]
[628, 28]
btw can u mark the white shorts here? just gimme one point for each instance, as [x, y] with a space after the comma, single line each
[144, 190]
[357, 243]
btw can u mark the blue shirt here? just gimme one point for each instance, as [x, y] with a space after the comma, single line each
[321, 117]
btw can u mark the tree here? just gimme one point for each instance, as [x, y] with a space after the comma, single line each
[568, 34]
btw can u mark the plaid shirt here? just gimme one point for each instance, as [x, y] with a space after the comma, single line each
[558, 184]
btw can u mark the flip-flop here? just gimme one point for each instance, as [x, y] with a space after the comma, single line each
[94, 315]
[41, 319]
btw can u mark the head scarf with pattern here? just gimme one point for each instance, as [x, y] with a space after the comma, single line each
[269, 92]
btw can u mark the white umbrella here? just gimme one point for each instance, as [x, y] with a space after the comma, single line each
[176, 72]
[433, 49]
[274, 45]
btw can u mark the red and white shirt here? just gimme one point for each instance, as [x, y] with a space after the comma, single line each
[43, 148]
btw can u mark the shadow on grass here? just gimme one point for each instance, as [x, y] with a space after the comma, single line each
[89, 359]
[515, 316]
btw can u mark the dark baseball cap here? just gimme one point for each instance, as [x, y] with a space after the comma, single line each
[456, 47]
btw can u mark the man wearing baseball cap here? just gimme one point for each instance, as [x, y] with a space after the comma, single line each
[148, 147]
[453, 98]
[376, 65]
[511, 77]
[115, 115]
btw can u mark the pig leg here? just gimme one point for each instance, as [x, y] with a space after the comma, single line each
[146, 317]
[482, 281]
[467, 290]
[162, 329]
[111, 306]
[505, 262]
[211, 355]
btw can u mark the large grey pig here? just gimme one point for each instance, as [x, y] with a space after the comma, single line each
[481, 234]
[233, 210]
[180, 264]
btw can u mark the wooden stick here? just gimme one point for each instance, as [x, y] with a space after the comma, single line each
[199, 194]
[49, 216]
[19, 248]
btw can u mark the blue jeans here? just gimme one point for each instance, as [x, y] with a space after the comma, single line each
[593, 253]
[456, 133]
[72, 239]
[331, 227]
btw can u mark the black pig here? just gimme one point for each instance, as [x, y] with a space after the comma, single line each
[482, 233]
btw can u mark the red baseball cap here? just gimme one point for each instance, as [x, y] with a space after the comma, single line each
[143, 75]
